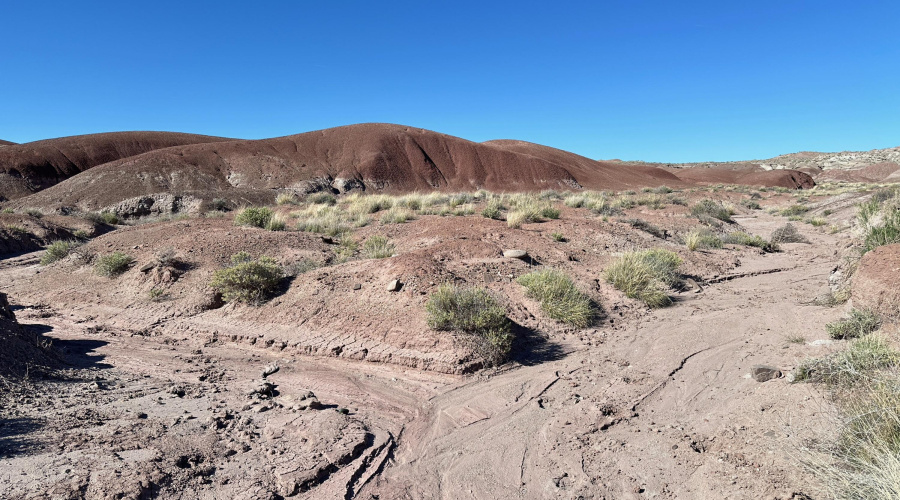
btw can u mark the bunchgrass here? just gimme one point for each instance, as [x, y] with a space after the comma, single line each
[787, 234]
[475, 312]
[861, 322]
[559, 297]
[57, 250]
[712, 208]
[852, 365]
[377, 247]
[646, 275]
[701, 239]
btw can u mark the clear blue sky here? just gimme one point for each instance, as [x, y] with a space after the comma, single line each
[652, 80]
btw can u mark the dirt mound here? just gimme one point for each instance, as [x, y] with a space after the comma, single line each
[876, 284]
[6, 143]
[30, 167]
[879, 172]
[25, 233]
[385, 157]
[20, 348]
[791, 179]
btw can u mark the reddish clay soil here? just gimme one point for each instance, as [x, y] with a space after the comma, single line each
[31, 167]
[6, 143]
[380, 157]
[791, 179]
[875, 281]
[165, 398]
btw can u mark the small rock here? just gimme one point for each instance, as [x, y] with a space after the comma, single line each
[141, 415]
[263, 389]
[270, 369]
[394, 286]
[763, 373]
[147, 267]
[357, 286]
[515, 254]
[327, 240]
[693, 285]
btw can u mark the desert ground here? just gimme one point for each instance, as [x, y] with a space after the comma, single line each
[149, 382]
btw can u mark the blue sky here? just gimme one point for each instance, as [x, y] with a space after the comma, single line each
[649, 80]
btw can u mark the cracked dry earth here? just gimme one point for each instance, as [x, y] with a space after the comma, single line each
[661, 408]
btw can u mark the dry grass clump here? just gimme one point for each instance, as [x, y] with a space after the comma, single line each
[646, 275]
[254, 217]
[654, 201]
[712, 208]
[493, 210]
[645, 226]
[286, 199]
[346, 250]
[559, 297]
[852, 365]
[816, 221]
[879, 219]
[276, 223]
[475, 312]
[861, 322]
[794, 210]
[322, 198]
[325, 219]
[114, 264]
[248, 280]
[749, 240]
[57, 250]
[107, 218]
[787, 234]
[397, 215]
[701, 239]
[368, 204]
[378, 247]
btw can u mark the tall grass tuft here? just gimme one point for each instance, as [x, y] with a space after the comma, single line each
[646, 275]
[559, 297]
[475, 312]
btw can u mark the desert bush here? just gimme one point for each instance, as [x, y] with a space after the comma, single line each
[653, 201]
[550, 194]
[879, 219]
[378, 247]
[559, 297]
[37, 214]
[558, 237]
[476, 312]
[81, 234]
[464, 210]
[57, 250]
[646, 275]
[7, 211]
[602, 206]
[787, 234]
[321, 198]
[712, 208]
[662, 190]
[625, 201]
[14, 229]
[370, 204]
[276, 223]
[328, 220]
[701, 238]
[156, 295]
[253, 216]
[677, 200]
[248, 280]
[861, 322]
[114, 264]
[645, 226]
[108, 218]
[575, 200]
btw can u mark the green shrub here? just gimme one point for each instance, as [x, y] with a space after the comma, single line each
[156, 295]
[646, 275]
[475, 312]
[220, 205]
[558, 237]
[247, 280]
[859, 323]
[302, 266]
[787, 234]
[113, 264]
[81, 234]
[751, 204]
[254, 216]
[816, 221]
[378, 247]
[34, 213]
[346, 250]
[14, 229]
[662, 190]
[712, 208]
[559, 297]
[57, 250]
[701, 238]
[7, 211]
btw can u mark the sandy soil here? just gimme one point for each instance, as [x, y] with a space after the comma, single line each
[648, 404]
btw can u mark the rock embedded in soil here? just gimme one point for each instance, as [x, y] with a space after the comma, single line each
[394, 286]
[270, 369]
[515, 254]
[764, 373]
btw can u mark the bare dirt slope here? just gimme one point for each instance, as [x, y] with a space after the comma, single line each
[30, 167]
[392, 158]
[647, 404]
[6, 143]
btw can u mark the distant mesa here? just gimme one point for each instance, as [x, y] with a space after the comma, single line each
[143, 173]
[30, 167]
